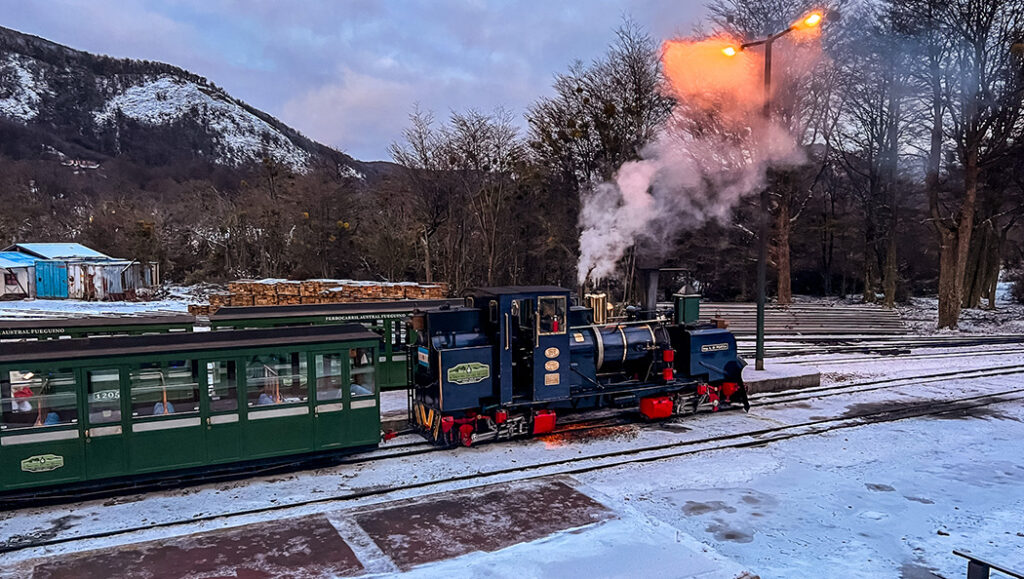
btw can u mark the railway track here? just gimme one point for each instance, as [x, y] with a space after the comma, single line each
[388, 452]
[610, 459]
[790, 346]
[941, 356]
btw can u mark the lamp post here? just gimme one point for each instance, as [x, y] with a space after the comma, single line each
[809, 21]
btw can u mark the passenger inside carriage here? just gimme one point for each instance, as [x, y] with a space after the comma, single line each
[160, 408]
[357, 388]
[267, 397]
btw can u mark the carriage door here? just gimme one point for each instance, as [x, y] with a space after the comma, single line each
[105, 442]
[551, 352]
[220, 410]
[330, 369]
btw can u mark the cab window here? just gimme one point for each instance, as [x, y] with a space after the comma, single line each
[33, 397]
[551, 315]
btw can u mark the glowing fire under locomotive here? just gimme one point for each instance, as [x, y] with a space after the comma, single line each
[505, 363]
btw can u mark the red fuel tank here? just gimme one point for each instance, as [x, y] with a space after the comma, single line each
[656, 407]
[544, 422]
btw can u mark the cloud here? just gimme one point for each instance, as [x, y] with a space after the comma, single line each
[306, 62]
[352, 113]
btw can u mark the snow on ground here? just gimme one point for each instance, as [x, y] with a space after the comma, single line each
[866, 501]
[921, 316]
[22, 309]
[166, 99]
[21, 99]
[888, 500]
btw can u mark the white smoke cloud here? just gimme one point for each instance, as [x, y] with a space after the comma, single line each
[715, 149]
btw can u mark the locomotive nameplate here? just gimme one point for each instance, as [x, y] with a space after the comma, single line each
[42, 463]
[552, 379]
[578, 336]
[552, 352]
[714, 347]
[469, 373]
[551, 365]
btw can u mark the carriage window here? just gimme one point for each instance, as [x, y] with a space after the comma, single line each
[361, 364]
[104, 396]
[31, 398]
[222, 386]
[329, 377]
[552, 315]
[380, 328]
[163, 389]
[276, 379]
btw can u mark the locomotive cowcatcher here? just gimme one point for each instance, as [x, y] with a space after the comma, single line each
[509, 360]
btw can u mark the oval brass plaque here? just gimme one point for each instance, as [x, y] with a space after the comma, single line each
[551, 352]
[551, 365]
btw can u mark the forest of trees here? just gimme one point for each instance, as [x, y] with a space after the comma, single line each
[911, 124]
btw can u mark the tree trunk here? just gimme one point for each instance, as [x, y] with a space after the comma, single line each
[891, 271]
[425, 240]
[965, 228]
[783, 227]
[949, 302]
[870, 260]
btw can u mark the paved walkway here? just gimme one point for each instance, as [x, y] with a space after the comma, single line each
[544, 527]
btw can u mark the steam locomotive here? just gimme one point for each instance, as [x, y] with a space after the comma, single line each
[509, 360]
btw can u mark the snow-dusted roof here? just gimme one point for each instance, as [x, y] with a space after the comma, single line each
[14, 259]
[56, 250]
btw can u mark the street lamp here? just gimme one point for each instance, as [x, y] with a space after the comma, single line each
[810, 20]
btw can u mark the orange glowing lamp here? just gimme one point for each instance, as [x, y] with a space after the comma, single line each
[811, 20]
[729, 51]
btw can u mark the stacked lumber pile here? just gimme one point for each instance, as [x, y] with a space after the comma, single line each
[274, 292]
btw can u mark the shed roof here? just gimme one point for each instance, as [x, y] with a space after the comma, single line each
[56, 250]
[14, 259]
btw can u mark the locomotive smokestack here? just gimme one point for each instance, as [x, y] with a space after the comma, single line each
[649, 291]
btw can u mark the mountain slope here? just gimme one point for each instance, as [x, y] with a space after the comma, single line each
[148, 112]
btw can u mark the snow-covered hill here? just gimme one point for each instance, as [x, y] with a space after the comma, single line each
[150, 112]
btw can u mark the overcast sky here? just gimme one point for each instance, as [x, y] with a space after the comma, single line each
[347, 73]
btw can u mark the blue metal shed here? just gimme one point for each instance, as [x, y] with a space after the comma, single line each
[51, 279]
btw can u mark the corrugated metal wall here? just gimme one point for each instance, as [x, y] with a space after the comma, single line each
[109, 280]
[93, 279]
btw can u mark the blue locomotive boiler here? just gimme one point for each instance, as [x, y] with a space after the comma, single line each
[511, 359]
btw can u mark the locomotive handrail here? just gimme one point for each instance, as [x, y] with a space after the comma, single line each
[980, 569]
[618, 324]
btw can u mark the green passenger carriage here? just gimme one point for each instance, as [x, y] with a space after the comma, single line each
[92, 409]
[386, 319]
[80, 327]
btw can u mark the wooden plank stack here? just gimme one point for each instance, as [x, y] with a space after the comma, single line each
[270, 292]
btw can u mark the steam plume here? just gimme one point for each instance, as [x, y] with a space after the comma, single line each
[714, 150]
